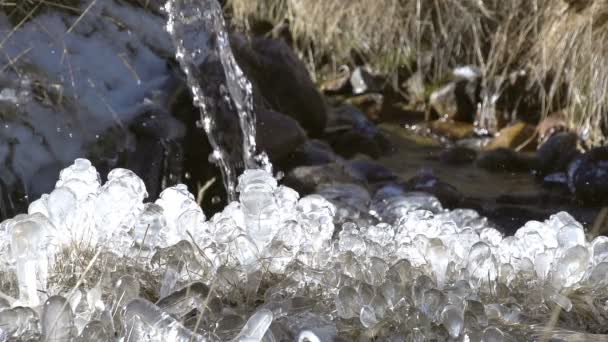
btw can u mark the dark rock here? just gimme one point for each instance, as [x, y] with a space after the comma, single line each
[351, 143]
[360, 135]
[457, 155]
[282, 80]
[310, 153]
[372, 171]
[556, 153]
[157, 153]
[307, 179]
[557, 179]
[426, 181]
[277, 134]
[457, 100]
[504, 160]
[588, 176]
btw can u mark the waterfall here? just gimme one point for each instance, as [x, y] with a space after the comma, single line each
[198, 30]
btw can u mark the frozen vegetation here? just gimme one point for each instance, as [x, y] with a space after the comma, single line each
[92, 259]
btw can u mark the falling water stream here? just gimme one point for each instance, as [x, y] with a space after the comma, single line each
[198, 30]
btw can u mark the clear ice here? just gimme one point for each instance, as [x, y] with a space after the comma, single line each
[93, 260]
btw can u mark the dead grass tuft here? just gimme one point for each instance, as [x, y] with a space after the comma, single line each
[555, 42]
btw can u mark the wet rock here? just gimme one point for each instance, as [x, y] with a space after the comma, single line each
[282, 80]
[454, 130]
[519, 134]
[157, 154]
[307, 179]
[278, 134]
[354, 133]
[457, 155]
[353, 142]
[504, 160]
[370, 104]
[426, 181]
[456, 101]
[588, 176]
[556, 153]
[310, 153]
[372, 171]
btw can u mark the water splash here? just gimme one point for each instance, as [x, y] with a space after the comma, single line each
[199, 33]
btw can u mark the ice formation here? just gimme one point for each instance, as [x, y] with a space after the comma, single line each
[93, 261]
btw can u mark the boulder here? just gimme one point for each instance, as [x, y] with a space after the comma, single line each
[307, 179]
[426, 181]
[310, 153]
[354, 133]
[277, 134]
[282, 80]
[555, 154]
[371, 171]
[588, 176]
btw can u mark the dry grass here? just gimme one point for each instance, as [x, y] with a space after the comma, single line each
[573, 47]
[556, 42]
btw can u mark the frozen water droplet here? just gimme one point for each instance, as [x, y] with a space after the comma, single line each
[256, 327]
[191, 225]
[492, 334]
[368, 316]
[57, 320]
[600, 249]
[19, 322]
[599, 276]
[144, 321]
[453, 320]
[29, 246]
[81, 178]
[96, 331]
[181, 302]
[348, 303]
[570, 268]
[175, 201]
[150, 226]
[570, 236]
[481, 264]
[119, 201]
[125, 290]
